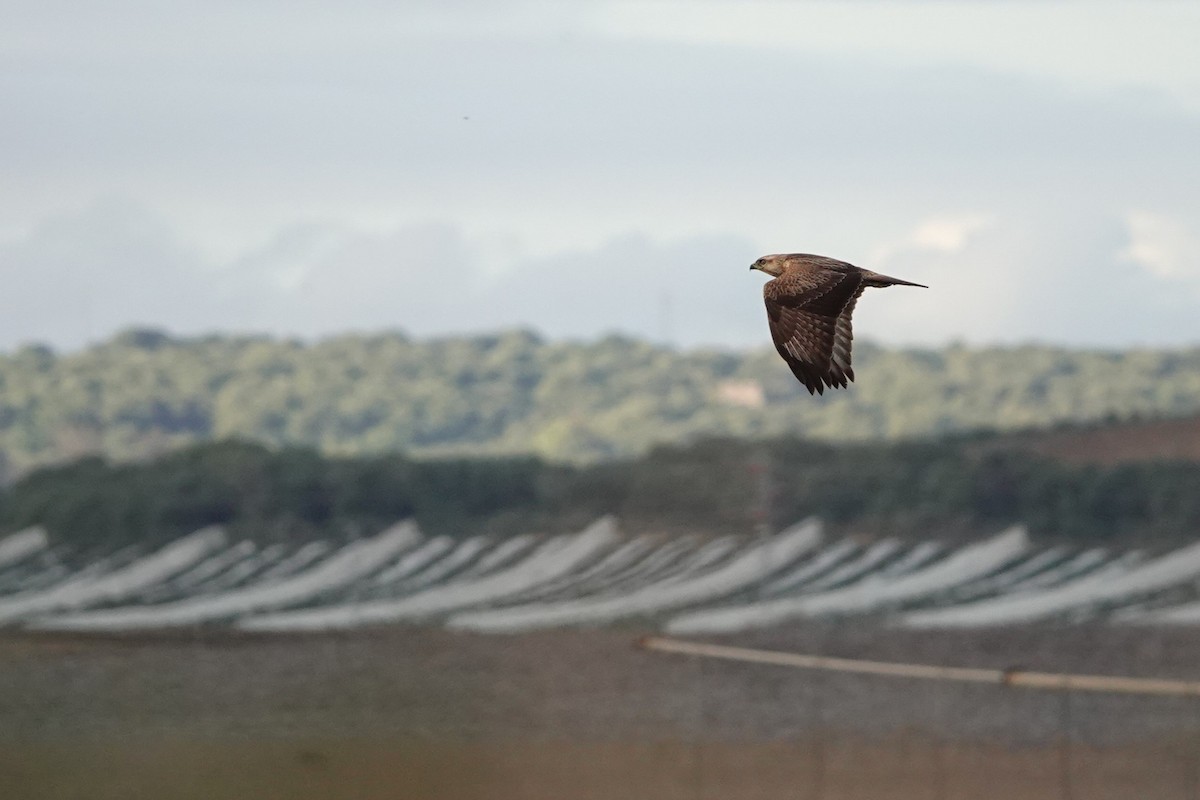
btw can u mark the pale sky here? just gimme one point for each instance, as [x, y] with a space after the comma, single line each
[307, 168]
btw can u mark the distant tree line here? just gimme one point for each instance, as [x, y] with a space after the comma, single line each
[144, 393]
[944, 489]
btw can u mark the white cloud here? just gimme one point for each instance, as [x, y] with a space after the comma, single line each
[1098, 46]
[576, 131]
[304, 167]
[1007, 278]
[80, 275]
[938, 234]
[1030, 275]
[948, 234]
[1164, 246]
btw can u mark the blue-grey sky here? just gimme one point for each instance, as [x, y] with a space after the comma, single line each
[306, 168]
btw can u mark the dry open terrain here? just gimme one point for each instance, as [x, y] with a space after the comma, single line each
[424, 713]
[1166, 439]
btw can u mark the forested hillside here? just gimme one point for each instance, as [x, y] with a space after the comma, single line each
[143, 393]
[912, 489]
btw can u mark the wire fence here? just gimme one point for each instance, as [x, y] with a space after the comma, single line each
[581, 715]
[943, 732]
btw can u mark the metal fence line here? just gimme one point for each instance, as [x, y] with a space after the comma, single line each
[1025, 679]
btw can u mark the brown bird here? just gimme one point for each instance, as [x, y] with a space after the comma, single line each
[809, 304]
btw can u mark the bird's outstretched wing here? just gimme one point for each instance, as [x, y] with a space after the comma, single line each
[810, 323]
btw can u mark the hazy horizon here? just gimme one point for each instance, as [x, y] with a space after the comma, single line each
[599, 167]
[316, 339]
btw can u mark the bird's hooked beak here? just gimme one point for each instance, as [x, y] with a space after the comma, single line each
[755, 265]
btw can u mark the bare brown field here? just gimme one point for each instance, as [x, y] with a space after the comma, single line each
[425, 713]
[1116, 443]
[833, 769]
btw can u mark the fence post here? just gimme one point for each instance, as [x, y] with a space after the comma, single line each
[1066, 785]
[1193, 763]
[818, 736]
[941, 741]
[701, 723]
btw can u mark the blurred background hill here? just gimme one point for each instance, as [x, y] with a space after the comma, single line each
[143, 393]
[388, 319]
[147, 436]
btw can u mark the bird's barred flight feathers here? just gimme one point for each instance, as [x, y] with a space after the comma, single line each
[809, 305]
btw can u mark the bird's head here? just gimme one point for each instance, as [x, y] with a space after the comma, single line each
[772, 265]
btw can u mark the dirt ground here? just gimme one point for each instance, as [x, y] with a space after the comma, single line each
[370, 768]
[426, 713]
[1136, 440]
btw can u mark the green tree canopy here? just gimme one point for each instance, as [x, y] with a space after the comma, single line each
[144, 393]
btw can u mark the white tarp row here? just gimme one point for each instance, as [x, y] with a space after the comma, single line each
[1110, 584]
[349, 564]
[914, 559]
[415, 560]
[58, 576]
[1182, 614]
[593, 577]
[557, 557]
[21, 545]
[209, 568]
[665, 561]
[38, 576]
[502, 555]
[1016, 574]
[1076, 567]
[120, 583]
[712, 553]
[671, 562]
[635, 564]
[456, 560]
[589, 578]
[197, 579]
[872, 593]
[745, 570]
[710, 556]
[856, 568]
[824, 561]
[247, 571]
[297, 561]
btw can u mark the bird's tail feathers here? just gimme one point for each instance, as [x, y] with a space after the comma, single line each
[878, 280]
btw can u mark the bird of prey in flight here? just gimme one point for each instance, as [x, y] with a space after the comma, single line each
[809, 304]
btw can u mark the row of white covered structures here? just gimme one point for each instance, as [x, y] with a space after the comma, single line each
[597, 576]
